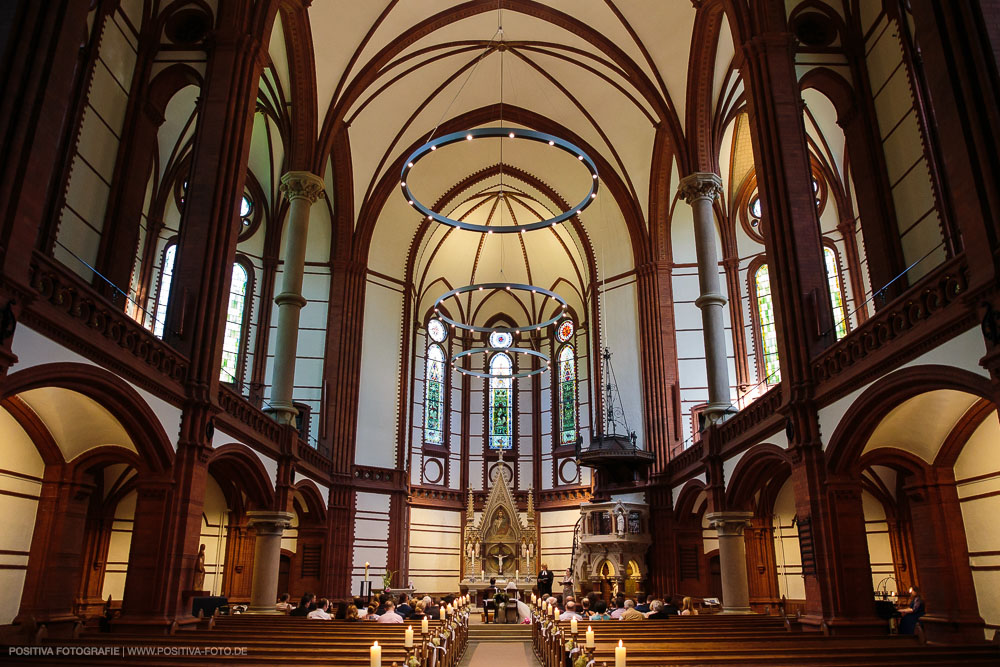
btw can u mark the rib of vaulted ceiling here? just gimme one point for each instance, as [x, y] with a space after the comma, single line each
[638, 84]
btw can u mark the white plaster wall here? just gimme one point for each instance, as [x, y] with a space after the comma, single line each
[215, 517]
[116, 567]
[787, 558]
[371, 537]
[621, 330]
[20, 486]
[556, 529]
[977, 476]
[435, 549]
[380, 372]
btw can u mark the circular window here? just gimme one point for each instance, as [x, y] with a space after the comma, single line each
[501, 339]
[565, 331]
[437, 330]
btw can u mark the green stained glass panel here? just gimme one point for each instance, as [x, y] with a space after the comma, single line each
[836, 294]
[434, 396]
[233, 336]
[501, 413]
[567, 396]
[768, 327]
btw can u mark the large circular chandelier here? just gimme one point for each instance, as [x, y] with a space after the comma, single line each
[502, 132]
[507, 287]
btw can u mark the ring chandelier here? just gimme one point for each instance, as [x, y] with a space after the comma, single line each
[506, 287]
[546, 362]
[511, 133]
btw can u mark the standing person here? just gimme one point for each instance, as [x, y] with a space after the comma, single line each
[567, 584]
[545, 578]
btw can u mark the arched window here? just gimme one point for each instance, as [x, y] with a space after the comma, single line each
[501, 402]
[163, 294]
[236, 317]
[766, 328]
[836, 291]
[434, 386]
[567, 395]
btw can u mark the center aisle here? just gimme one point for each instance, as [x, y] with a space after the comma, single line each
[498, 644]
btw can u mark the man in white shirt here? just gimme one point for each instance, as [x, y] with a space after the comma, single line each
[570, 612]
[390, 615]
[321, 610]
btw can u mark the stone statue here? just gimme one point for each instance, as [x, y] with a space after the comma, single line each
[524, 549]
[620, 523]
[198, 583]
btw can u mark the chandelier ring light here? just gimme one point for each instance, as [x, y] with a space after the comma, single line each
[494, 376]
[511, 133]
[505, 287]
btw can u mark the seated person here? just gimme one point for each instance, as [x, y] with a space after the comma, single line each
[669, 607]
[911, 615]
[585, 608]
[644, 605]
[570, 612]
[352, 613]
[390, 615]
[321, 610]
[630, 613]
[284, 606]
[619, 609]
[403, 608]
[600, 612]
[687, 608]
[656, 611]
[371, 615]
[418, 612]
[305, 606]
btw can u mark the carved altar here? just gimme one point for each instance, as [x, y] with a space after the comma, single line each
[497, 544]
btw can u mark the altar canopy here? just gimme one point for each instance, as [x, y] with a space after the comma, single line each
[496, 543]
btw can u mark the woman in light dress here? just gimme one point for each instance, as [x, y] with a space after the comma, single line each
[687, 608]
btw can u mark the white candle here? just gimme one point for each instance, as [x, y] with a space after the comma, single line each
[517, 575]
[366, 572]
[408, 637]
[619, 655]
[424, 625]
[451, 610]
[442, 613]
[483, 575]
[554, 611]
[590, 637]
[376, 655]
[533, 598]
[572, 625]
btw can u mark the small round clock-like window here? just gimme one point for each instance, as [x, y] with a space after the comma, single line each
[437, 330]
[501, 339]
[565, 331]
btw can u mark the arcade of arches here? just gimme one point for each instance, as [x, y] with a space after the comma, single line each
[218, 321]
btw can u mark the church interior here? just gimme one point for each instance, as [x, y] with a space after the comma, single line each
[689, 298]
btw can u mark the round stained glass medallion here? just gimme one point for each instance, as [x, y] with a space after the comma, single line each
[501, 339]
[564, 331]
[437, 331]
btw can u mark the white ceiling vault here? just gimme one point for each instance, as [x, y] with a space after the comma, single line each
[611, 76]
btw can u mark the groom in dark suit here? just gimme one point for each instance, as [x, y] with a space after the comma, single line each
[544, 579]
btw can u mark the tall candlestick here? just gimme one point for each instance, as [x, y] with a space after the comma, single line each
[424, 625]
[590, 637]
[619, 655]
[572, 625]
[376, 652]
[408, 637]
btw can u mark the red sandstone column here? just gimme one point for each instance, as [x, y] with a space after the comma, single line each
[942, 561]
[55, 567]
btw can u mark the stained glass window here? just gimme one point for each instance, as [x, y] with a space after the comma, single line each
[434, 395]
[166, 274]
[501, 339]
[836, 294]
[564, 331]
[567, 395]
[437, 330]
[501, 402]
[768, 328]
[246, 212]
[233, 337]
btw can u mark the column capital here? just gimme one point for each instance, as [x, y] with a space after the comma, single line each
[302, 185]
[729, 524]
[268, 522]
[700, 185]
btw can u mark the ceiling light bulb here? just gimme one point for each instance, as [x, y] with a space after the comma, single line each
[594, 176]
[578, 157]
[434, 148]
[552, 143]
[430, 217]
[511, 135]
[410, 165]
[469, 137]
[593, 195]
[411, 202]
